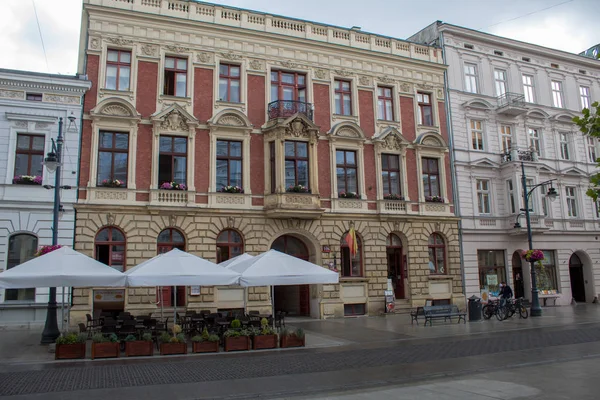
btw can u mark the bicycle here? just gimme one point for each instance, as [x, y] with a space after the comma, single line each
[512, 306]
[492, 308]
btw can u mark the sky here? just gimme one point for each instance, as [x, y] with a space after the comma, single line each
[569, 25]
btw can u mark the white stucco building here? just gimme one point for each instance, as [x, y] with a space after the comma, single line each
[30, 107]
[509, 102]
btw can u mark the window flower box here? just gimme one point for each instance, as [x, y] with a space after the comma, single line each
[434, 199]
[297, 189]
[69, 351]
[173, 186]
[27, 180]
[348, 195]
[231, 189]
[391, 196]
[112, 183]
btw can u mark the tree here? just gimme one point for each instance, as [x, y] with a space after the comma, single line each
[589, 124]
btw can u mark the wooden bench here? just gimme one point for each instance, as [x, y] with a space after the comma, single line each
[414, 315]
[552, 297]
[446, 312]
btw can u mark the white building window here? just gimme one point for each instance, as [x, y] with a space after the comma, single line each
[545, 205]
[506, 137]
[500, 80]
[476, 135]
[471, 78]
[528, 89]
[483, 196]
[596, 205]
[534, 140]
[564, 145]
[532, 206]
[571, 201]
[591, 149]
[512, 208]
[584, 92]
[557, 94]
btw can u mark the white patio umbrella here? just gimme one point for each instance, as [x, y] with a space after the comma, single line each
[178, 268]
[235, 260]
[277, 268]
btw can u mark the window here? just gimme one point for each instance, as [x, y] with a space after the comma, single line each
[390, 174]
[532, 201]
[229, 83]
[118, 69]
[343, 97]
[564, 145]
[272, 165]
[437, 254]
[546, 274]
[385, 103]
[21, 248]
[545, 205]
[347, 180]
[29, 155]
[113, 151]
[172, 160]
[528, 89]
[229, 164]
[571, 201]
[229, 245]
[506, 138]
[557, 94]
[110, 248]
[33, 97]
[425, 110]
[288, 86]
[431, 177]
[591, 147]
[351, 267]
[500, 80]
[476, 135]
[175, 77]
[296, 164]
[168, 240]
[492, 270]
[483, 196]
[584, 92]
[534, 140]
[470, 78]
[596, 206]
[511, 197]
[354, 309]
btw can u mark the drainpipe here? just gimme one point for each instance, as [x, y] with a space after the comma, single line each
[455, 197]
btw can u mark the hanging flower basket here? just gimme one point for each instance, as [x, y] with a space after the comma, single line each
[434, 199]
[231, 189]
[27, 180]
[173, 186]
[349, 195]
[112, 183]
[533, 255]
[47, 249]
[391, 196]
[297, 189]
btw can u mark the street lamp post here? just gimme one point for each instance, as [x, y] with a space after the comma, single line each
[536, 310]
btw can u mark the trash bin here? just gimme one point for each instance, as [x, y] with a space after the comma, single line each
[474, 308]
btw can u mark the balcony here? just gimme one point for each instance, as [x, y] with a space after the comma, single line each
[293, 205]
[395, 207]
[287, 108]
[182, 198]
[511, 104]
[519, 155]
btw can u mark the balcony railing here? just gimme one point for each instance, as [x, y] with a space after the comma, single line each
[519, 155]
[287, 108]
[511, 104]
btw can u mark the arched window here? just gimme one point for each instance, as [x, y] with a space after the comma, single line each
[170, 239]
[291, 245]
[110, 247]
[437, 254]
[351, 266]
[229, 245]
[21, 248]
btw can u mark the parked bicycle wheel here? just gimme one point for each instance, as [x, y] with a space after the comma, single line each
[523, 313]
[501, 313]
[487, 311]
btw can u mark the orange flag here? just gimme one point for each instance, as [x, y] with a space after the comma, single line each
[352, 243]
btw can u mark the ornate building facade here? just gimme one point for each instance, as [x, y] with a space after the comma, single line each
[222, 131]
[512, 103]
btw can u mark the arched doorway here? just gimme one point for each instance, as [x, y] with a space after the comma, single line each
[577, 280]
[293, 299]
[168, 240]
[395, 264]
[517, 271]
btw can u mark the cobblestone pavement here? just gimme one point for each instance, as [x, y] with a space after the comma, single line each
[60, 378]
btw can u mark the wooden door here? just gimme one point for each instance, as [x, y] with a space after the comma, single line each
[304, 292]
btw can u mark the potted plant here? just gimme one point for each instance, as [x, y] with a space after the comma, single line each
[264, 337]
[111, 183]
[392, 196]
[173, 344]
[434, 199]
[105, 347]
[27, 180]
[231, 189]
[236, 338]
[297, 189]
[292, 338]
[47, 249]
[135, 347]
[349, 195]
[70, 346]
[173, 186]
[205, 343]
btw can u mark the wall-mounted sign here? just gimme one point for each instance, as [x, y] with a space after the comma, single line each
[326, 249]
[112, 295]
[194, 290]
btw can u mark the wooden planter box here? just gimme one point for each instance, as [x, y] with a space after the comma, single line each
[139, 348]
[69, 351]
[173, 348]
[292, 341]
[205, 347]
[237, 343]
[264, 342]
[105, 350]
